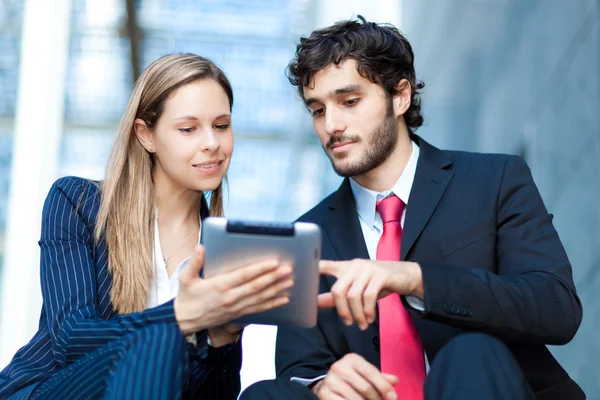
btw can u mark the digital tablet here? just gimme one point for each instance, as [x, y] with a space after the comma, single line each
[231, 244]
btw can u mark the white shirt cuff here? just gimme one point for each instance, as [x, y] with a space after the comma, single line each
[416, 303]
[307, 382]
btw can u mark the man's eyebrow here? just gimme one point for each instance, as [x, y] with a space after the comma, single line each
[310, 101]
[343, 90]
[348, 89]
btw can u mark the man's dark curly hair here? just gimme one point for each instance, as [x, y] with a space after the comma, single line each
[382, 53]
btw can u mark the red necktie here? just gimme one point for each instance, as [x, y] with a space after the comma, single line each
[400, 346]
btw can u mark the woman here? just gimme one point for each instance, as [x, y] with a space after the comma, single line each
[120, 270]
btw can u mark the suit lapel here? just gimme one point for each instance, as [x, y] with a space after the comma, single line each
[343, 228]
[342, 225]
[431, 180]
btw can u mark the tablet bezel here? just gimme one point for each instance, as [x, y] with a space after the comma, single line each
[231, 244]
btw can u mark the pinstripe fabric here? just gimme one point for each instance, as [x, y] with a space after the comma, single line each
[77, 317]
[146, 364]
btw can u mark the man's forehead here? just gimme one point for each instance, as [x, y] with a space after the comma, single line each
[333, 77]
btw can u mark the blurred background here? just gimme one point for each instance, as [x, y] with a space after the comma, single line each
[510, 76]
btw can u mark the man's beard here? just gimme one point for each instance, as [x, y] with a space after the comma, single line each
[381, 144]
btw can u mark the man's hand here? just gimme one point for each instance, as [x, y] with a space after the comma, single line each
[361, 282]
[353, 377]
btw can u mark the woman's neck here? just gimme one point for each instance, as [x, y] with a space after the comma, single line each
[178, 205]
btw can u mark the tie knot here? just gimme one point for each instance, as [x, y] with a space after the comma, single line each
[390, 209]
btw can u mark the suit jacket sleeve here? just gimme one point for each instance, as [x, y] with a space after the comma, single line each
[70, 288]
[532, 296]
[304, 352]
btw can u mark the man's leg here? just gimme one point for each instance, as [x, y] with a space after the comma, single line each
[476, 366]
[148, 364]
[277, 389]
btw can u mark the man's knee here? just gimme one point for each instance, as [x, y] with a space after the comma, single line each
[475, 344]
[256, 390]
[476, 365]
[473, 350]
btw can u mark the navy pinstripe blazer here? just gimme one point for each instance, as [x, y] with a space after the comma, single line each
[77, 316]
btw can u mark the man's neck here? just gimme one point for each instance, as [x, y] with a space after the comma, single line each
[385, 176]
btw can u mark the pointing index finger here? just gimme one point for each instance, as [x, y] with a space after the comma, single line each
[329, 267]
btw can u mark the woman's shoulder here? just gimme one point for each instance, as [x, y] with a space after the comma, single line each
[82, 194]
[74, 187]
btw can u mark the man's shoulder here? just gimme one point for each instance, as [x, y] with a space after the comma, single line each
[469, 157]
[485, 163]
[317, 213]
[433, 154]
[488, 170]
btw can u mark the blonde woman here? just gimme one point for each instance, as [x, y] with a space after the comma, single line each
[125, 312]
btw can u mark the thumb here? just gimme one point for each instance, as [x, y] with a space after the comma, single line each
[192, 270]
[326, 300]
[392, 379]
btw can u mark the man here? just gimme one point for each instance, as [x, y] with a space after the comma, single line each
[453, 254]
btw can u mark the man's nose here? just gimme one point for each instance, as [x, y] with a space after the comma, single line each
[334, 123]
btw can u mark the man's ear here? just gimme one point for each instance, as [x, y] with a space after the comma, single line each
[402, 97]
[143, 134]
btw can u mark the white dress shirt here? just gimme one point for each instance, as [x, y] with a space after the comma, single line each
[372, 225]
[163, 288]
[370, 220]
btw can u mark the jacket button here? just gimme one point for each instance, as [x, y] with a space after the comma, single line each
[448, 307]
[376, 343]
[452, 308]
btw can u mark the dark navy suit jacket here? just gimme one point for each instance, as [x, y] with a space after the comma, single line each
[77, 316]
[491, 259]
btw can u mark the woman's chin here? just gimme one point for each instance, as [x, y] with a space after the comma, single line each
[208, 184]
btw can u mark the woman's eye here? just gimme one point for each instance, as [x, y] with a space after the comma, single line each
[222, 127]
[352, 102]
[187, 130]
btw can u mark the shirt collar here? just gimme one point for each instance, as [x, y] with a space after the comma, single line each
[366, 199]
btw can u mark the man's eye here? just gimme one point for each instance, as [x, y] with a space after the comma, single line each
[222, 127]
[316, 113]
[352, 102]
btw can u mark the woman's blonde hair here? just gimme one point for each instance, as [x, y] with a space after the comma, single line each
[126, 215]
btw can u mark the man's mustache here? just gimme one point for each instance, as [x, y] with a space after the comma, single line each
[342, 138]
